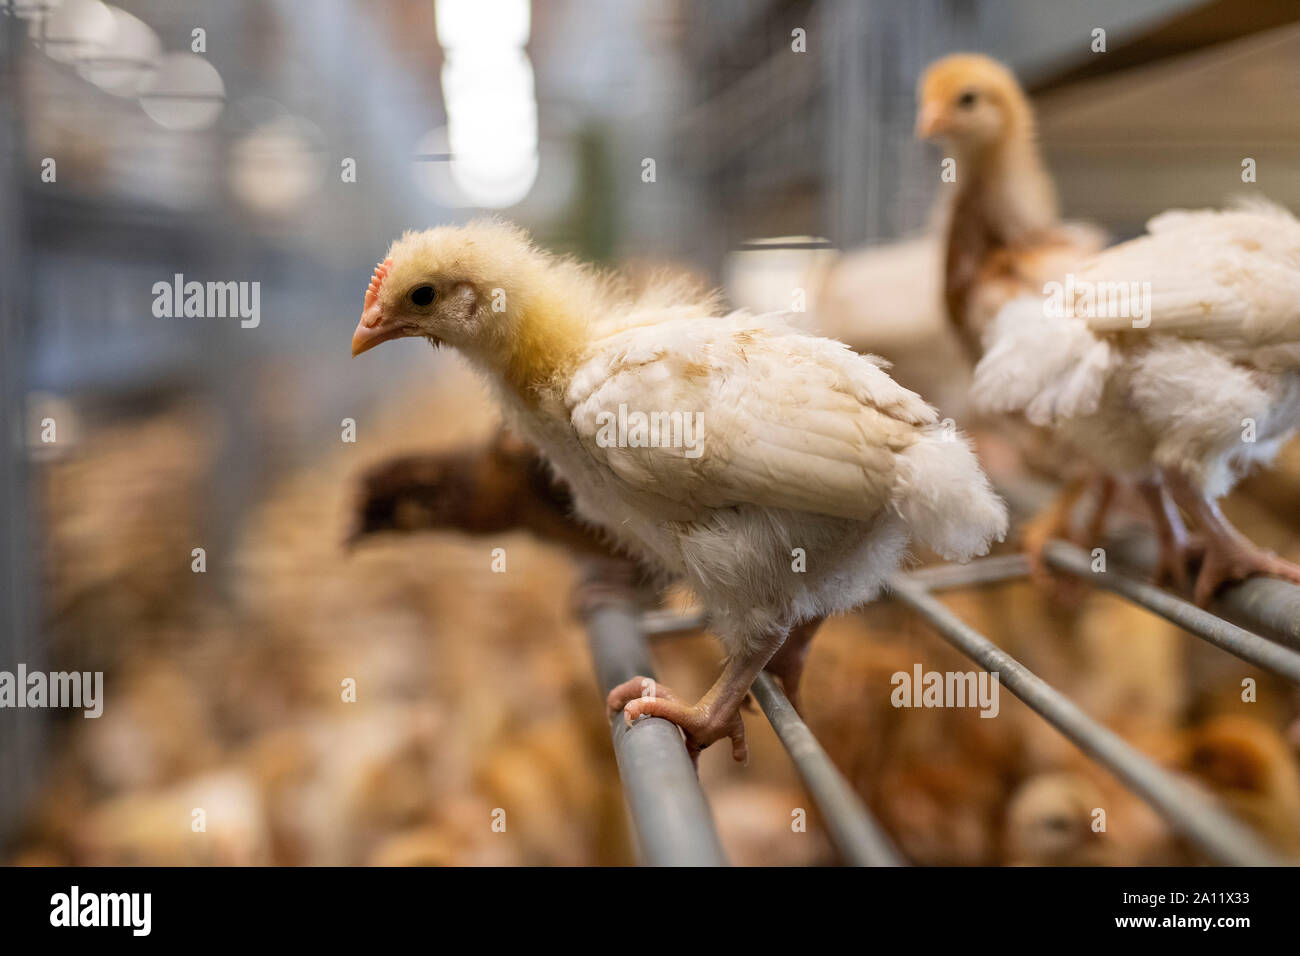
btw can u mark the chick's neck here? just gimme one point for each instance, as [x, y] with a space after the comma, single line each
[1006, 189]
[548, 335]
[1004, 203]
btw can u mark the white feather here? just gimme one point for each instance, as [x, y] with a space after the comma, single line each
[1216, 354]
[808, 449]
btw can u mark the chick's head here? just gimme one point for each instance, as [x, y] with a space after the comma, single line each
[970, 100]
[451, 285]
[486, 290]
[1048, 820]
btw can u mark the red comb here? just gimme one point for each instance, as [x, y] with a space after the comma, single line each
[377, 280]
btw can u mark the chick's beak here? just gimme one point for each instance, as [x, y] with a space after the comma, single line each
[930, 121]
[373, 329]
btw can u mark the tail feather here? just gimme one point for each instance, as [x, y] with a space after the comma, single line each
[945, 498]
[1049, 367]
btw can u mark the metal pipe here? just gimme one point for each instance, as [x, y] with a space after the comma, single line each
[853, 831]
[937, 577]
[994, 570]
[1268, 603]
[660, 623]
[1262, 603]
[1222, 838]
[1269, 606]
[1223, 634]
[669, 812]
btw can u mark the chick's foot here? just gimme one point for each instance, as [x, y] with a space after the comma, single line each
[1233, 557]
[702, 723]
[1229, 554]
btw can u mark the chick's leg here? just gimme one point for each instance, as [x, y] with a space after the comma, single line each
[1053, 522]
[713, 716]
[1171, 534]
[1095, 529]
[787, 663]
[1229, 554]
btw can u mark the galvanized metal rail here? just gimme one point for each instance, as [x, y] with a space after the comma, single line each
[668, 809]
[1223, 634]
[667, 806]
[1221, 837]
[1265, 603]
[1268, 606]
[1272, 605]
[853, 831]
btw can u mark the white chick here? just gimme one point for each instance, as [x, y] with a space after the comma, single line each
[1178, 355]
[792, 498]
[1179, 405]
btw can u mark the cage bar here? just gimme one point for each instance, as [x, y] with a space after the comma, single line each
[854, 833]
[1218, 835]
[668, 809]
[1223, 634]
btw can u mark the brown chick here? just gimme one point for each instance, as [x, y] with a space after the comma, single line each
[502, 486]
[1004, 236]
[1054, 819]
[1003, 232]
[1251, 768]
[498, 488]
[1048, 822]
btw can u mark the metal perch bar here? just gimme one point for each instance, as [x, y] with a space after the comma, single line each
[939, 577]
[981, 571]
[1275, 605]
[668, 809]
[1269, 606]
[856, 836]
[660, 623]
[1231, 638]
[1268, 603]
[853, 831]
[1265, 604]
[1222, 838]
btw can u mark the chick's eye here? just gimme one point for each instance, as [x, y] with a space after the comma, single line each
[966, 100]
[422, 295]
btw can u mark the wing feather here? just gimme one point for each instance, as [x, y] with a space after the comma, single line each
[1231, 277]
[787, 420]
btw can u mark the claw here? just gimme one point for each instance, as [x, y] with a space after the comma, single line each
[1229, 554]
[700, 726]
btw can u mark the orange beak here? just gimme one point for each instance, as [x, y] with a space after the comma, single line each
[930, 121]
[372, 330]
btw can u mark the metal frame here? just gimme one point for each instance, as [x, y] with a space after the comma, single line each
[670, 812]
